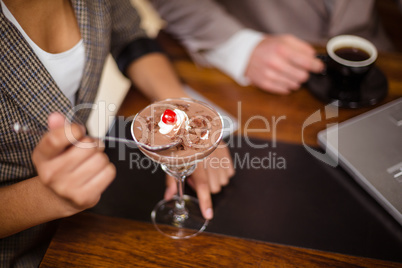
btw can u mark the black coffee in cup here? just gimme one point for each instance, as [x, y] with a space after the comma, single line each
[350, 59]
[352, 54]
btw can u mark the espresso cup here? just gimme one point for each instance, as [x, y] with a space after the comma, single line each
[350, 59]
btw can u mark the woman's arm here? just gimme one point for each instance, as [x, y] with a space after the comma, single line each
[26, 204]
[71, 178]
[153, 74]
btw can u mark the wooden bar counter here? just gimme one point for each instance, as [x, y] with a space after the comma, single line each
[89, 240]
[94, 240]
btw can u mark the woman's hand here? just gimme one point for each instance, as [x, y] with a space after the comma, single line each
[72, 165]
[208, 178]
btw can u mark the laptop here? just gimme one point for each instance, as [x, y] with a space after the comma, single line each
[369, 147]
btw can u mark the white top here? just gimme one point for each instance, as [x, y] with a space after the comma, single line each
[66, 68]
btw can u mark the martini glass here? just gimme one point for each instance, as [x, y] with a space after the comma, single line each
[199, 135]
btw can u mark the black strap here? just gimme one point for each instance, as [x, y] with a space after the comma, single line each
[135, 50]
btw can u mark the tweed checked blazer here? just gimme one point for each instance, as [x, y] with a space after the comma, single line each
[28, 94]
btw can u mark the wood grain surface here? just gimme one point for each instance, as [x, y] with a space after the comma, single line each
[90, 240]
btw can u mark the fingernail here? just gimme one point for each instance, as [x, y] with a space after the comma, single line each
[209, 213]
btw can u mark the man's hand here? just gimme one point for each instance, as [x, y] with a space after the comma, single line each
[280, 64]
[72, 165]
[208, 178]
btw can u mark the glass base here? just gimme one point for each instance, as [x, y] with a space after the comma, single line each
[182, 225]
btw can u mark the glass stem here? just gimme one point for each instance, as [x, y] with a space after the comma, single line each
[180, 192]
[180, 213]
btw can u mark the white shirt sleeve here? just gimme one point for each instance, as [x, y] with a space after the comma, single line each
[232, 57]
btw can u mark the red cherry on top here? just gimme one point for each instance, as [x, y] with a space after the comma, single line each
[169, 117]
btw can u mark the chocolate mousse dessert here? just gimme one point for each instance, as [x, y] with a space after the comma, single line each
[191, 127]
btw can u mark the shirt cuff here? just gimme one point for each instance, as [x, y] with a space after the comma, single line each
[232, 57]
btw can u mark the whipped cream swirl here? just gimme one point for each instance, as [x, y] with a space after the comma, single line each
[181, 118]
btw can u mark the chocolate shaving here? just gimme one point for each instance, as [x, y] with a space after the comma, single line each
[183, 107]
[181, 147]
[198, 123]
[197, 140]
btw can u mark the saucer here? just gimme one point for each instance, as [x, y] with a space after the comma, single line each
[373, 88]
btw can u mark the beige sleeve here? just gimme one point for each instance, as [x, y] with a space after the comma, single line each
[199, 25]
